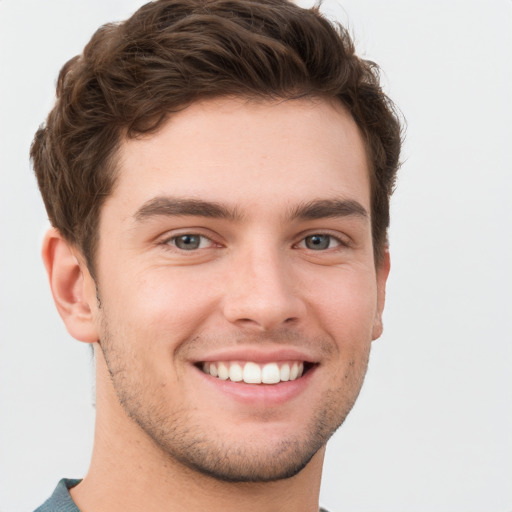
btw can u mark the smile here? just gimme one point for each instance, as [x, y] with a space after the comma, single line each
[254, 373]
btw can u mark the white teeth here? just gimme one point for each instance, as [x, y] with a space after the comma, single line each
[223, 372]
[235, 372]
[253, 373]
[294, 371]
[270, 374]
[285, 372]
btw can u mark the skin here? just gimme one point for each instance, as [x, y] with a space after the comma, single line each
[256, 287]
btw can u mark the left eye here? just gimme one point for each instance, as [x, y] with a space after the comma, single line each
[189, 242]
[320, 242]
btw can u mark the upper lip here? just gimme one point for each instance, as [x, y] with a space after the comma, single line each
[258, 355]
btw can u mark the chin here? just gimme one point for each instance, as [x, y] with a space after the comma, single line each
[264, 455]
[247, 463]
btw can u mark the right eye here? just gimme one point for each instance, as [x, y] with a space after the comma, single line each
[189, 242]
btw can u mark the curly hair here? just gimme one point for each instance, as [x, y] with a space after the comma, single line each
[132, 75]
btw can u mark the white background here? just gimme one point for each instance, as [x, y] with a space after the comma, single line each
[432, 430]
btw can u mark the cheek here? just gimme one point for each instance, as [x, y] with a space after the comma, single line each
[146, 321]
[345, 306]
[163, 307]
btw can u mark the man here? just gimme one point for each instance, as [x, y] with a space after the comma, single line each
[218, 176]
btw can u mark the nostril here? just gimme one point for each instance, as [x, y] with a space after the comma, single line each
[265, 311]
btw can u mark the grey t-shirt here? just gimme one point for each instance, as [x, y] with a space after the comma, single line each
[60, 500]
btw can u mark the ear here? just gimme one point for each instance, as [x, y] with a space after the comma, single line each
[382, 272]
[73, 288]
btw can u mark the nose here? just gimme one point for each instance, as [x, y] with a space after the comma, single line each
[262, 293]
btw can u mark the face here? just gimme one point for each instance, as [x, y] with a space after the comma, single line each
[238, 291]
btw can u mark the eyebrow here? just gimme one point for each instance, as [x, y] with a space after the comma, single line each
[329, 208]
[172, 206]
[312, 210]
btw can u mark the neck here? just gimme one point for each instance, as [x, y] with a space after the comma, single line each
[129, 471]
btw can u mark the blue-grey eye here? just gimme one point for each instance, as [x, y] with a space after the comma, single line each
[318, 242]
[187, 242]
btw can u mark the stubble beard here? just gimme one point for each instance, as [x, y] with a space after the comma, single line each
[182, 440]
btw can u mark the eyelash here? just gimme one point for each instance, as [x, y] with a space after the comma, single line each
[171, 242]
[331, 238]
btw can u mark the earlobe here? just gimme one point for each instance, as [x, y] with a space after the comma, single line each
[72, 287]
[382, 272]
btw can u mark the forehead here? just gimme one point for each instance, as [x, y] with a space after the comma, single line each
[256, 155]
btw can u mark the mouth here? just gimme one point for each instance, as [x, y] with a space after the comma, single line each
[250, 372]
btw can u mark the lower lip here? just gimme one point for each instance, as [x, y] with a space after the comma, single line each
[266, 395]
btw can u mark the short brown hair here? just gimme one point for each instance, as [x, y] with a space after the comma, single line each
[170, 53]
